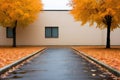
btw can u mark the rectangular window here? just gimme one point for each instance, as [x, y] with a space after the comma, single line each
[51, 32]
[9, 32]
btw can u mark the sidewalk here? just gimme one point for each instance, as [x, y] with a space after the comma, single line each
[59, 64]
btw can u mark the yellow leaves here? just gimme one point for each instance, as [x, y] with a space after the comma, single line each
[26, 15]
[10, 55]
[108, 56]
[110, 11]
[108, 1]
[82, 12]
[18, 3]
[94, 11]
[20, 10]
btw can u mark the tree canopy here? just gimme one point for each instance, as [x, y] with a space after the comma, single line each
[96, 11]
[22, 11]
[18, 12]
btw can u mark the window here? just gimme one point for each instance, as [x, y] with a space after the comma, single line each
[9, 32]
[51, 32]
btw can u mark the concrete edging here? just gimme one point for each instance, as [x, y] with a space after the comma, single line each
[10, 66]
[110, 69]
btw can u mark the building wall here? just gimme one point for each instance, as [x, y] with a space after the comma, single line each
[70, 32]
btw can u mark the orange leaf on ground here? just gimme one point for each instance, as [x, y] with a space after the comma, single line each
[108, 56]
[9, 55]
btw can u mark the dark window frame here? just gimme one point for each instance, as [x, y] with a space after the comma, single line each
[7, 32]
[51, 32]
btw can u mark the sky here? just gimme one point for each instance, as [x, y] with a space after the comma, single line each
[56, 4]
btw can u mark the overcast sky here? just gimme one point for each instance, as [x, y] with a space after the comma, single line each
[56, 4]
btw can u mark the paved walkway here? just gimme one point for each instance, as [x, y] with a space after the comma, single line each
[58, 64]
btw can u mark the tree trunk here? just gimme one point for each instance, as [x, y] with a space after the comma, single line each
[108, 19]
[14, 34]
[108, 37]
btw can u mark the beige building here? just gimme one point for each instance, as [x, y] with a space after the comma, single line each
[58, 28]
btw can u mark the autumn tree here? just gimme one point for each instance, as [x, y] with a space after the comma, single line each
[15, 13]
[104, 13]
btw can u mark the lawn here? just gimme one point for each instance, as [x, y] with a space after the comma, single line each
[107, 56]
[9, 55]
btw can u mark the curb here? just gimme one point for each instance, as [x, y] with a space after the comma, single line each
[110, 69]
[10, 66]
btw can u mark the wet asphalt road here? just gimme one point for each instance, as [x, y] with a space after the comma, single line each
[58, 64]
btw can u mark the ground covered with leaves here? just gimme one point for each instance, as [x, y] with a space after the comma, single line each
[107, 56]
[9, 55]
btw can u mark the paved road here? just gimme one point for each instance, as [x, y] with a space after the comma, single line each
[59, 64]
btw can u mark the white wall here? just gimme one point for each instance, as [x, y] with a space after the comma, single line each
[70, 32]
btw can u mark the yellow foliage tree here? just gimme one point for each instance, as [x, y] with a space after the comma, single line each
[105, 13]
[18, 12]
